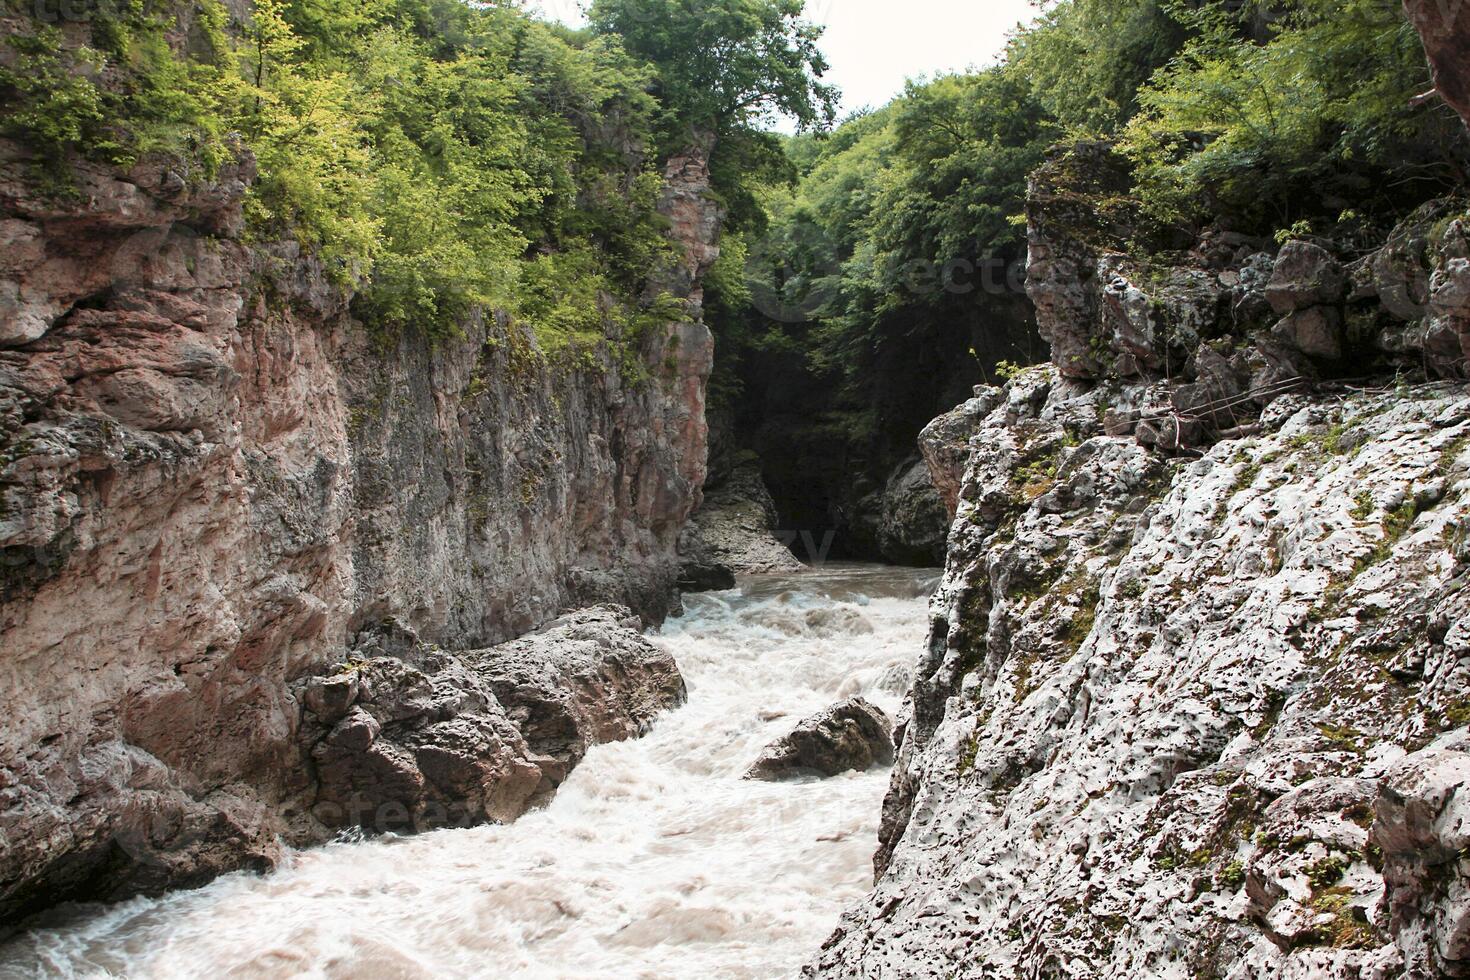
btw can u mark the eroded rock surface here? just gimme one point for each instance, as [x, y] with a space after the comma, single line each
[1214, 336]
[1182, 716]
[853, 735]
[211, 479]
[733, 533]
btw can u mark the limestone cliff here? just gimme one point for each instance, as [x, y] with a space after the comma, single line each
[212, 479]
[1194, 702]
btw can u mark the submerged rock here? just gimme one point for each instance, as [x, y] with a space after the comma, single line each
[853, 735]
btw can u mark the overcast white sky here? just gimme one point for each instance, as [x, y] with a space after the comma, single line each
[874, 45]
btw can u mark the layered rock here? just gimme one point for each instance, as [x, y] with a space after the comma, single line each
[851, 736]
[426, 738]
[734, 533]
[211, 478]
[1188, 717]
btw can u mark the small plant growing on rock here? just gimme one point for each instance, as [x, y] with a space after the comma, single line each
[1325, 873]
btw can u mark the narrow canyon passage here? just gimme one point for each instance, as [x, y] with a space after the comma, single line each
[656, 859]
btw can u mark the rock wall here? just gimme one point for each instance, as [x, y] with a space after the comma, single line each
[1444, 25]
[1189, 717]
[1196, 693]
[211, 479]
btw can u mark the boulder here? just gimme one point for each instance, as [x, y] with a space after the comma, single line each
[1422, 829]
[588, 678]
[1315, 331]
[433, 739]
[733, 533]
[853, 735]
[1305, 275]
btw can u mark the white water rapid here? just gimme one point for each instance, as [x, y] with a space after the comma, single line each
[656, 859]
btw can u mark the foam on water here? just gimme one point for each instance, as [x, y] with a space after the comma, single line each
[656, 859]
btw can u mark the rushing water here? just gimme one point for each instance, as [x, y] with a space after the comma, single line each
[656, 859]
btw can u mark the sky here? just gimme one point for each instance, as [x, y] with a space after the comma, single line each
[875, 45]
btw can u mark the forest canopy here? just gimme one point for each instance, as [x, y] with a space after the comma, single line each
[438, 155]
[444, 156]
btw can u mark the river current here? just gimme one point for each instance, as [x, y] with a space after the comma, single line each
[655, 859]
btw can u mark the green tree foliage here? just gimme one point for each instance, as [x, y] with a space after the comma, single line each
[1086, 60]
[726, 65]
[901, 213]
[54, 96]
[725, 71]
[1315, 119]
[438, 156]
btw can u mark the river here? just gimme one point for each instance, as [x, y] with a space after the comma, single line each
[656, 859]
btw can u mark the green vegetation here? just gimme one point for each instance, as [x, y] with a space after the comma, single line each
[1349, 928]
[1308, 110]
[900, 241]
[440, 156]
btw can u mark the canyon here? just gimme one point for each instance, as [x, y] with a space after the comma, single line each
[280, 591]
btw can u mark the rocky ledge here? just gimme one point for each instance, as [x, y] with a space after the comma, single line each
[1196, 696]
[1189, 716]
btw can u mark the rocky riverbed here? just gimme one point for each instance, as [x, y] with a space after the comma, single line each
[656, 858]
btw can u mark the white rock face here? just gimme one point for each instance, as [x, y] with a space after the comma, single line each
[1189, 718]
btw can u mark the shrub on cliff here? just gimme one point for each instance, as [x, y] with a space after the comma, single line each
[438, 156]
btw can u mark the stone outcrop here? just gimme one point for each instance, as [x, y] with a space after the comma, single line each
[908, 518]
[1196, 717]
[1412, 296]
[211, 478]
[1213, 337]
[427, 738]
[945, 443]
[853, 735]
[734, 533]
[1196, 693]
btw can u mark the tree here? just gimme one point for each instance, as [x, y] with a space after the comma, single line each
[726, 66]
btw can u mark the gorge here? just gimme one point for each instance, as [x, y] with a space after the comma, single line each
[441, 448]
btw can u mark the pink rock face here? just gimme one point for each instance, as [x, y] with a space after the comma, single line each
[1445, 27]
[211, 478]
